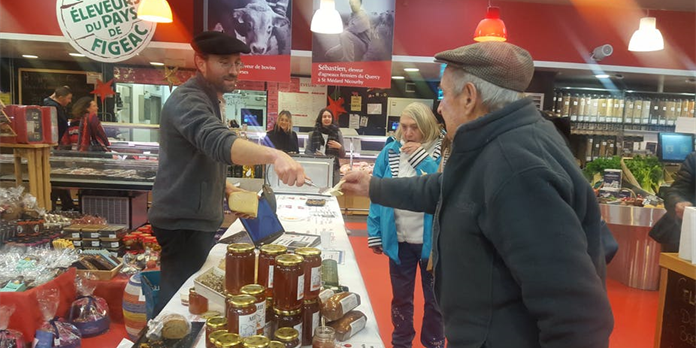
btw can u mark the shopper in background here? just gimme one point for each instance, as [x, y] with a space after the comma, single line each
[282, 137]
[326, 139]
[61, 97]
[91, 135]
[403, 235]
[517, 251]
[680, 195]
[196, 148]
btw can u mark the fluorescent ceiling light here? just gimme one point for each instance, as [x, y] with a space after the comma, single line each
[602, 76]
[76, 54]
[30, 56]
[156, 63]
[397, 77]
[411, 69]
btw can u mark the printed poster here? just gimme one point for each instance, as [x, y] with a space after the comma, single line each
[361, 55]
[265, 26]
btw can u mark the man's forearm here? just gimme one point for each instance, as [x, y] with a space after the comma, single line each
[245, 152]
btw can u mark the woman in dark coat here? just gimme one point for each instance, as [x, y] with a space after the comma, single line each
[326, 139]
[281, 136]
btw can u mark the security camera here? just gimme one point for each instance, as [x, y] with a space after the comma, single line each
[602, 52]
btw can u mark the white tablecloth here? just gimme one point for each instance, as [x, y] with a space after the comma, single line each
[296, 216]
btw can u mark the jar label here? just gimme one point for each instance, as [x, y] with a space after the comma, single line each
[247, 325]
[315, 284]
[349, 303]
[260, 315]
[270, 276]
[357, 325]
[315, 321]
[300, 287]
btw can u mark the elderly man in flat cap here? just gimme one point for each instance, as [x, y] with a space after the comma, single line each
[517, 255]
[196, 148]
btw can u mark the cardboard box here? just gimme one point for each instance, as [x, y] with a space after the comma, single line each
[102, 275]
[91, 243]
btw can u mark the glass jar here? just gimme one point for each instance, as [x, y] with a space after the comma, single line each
[311, 315]
[240, 265]
[312, 271]
[259, 293]
[291, 319]
[270, 319]
[288, 336]
[198, 304]
[276, 344]
[257, 341]
[214, 324]
[229, 340]
[214, 336]
[267, 257]
[324, 337]
[288, 282]
[241, 315]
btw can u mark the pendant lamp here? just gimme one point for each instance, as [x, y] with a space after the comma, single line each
[326, 19]
[155, 11]
[491, 28]
[647, 38]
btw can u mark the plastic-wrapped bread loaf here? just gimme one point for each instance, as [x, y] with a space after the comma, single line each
[338, 305]
[349, 325]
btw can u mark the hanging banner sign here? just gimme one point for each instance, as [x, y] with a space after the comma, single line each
[265, 26]
[104, 30]
[361, 55]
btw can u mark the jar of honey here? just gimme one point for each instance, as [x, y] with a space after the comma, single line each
[229, 340]
[214, 336]
[291, 319]
[198, 304]
[240, 264]
[311, 315]
[214, 324]
[241, 315]
[276, 344]
[288, 336]
[324, 337]
[256, 342]
[288, 283]
[259, 293]
[312, 271]
[267, 257]
[270, 318]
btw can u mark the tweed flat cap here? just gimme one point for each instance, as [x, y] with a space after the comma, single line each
[218, 43]
[500, 63]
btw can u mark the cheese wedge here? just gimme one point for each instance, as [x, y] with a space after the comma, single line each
[245, 202]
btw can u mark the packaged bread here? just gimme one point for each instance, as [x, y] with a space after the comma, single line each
[340, 304]
[244, 202]
[349, 325]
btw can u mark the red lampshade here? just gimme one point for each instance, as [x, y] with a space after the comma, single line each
[491, 28]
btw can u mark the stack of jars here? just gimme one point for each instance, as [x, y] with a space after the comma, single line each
[281, 300]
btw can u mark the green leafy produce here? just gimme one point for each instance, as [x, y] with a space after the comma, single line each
[647, 170]
[600, 164]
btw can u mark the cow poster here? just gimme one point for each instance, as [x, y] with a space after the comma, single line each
[265, 26]
[361, 55]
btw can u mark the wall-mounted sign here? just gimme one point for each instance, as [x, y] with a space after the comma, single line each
[104, 30]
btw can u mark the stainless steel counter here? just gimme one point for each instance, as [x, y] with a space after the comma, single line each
[631, 216]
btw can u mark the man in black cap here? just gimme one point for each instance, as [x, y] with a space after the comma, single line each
[517, 253]
[196, 149]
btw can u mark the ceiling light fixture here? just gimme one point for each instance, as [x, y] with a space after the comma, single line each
[326, 19]
[156, 63]
[30, 56]
[155, 11]
[411, 69]
[647, 38]
[602, 76]
[76, 54]
[397, 77]
[491, 28]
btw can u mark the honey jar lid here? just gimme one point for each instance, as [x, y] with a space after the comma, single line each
[241, 300]
[237, 248]
[276, 344]
[308, 251]
[213, 338]
[286, 334]
[216, 322]
[252, 289]
[256, 341]
[289, 260]
[311, 301]
[274, 249]
[287, 313]
[229, 340]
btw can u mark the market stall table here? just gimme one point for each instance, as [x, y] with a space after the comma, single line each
[38, 167]
[296, 216]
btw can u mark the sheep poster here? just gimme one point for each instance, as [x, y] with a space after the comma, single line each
[361, 55]
[265, 26]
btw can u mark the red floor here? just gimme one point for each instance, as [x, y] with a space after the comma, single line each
[635, 311]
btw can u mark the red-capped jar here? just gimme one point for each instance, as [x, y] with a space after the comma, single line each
[267, 256]
[240, 263]
[312, 271]
[288, 282]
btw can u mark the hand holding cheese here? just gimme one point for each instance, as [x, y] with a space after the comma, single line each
[245, 203]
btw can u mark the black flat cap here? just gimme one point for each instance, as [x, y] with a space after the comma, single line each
[500, 63]
[218, 43]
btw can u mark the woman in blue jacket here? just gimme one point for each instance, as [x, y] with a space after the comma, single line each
[403, 235]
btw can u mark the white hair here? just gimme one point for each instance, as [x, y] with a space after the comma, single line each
[493, 97]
